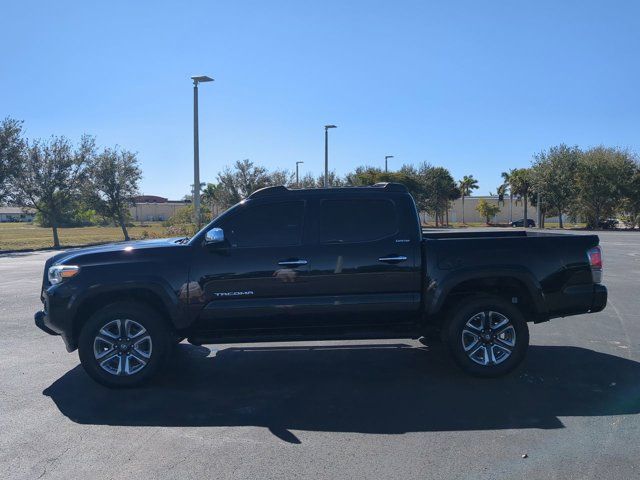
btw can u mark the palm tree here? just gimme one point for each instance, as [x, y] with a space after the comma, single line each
[506, 183]
[466, 185]
[521, 184]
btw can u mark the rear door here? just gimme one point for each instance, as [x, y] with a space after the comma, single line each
[364, 267]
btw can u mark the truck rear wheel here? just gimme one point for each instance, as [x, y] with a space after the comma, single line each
[487, 336]
[124, 344]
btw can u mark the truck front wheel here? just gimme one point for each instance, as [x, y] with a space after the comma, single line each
[124, 344]
[487, 336]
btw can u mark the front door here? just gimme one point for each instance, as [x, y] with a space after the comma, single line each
[256, 278]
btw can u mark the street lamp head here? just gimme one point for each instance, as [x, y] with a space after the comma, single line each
[330, 126]
[388, 156]
[201, 78]
[298, 163]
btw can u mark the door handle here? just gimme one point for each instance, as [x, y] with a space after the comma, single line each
[292, 263]
[392, 259]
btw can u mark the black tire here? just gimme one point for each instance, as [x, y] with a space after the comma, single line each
[460, 329]
[127, 353]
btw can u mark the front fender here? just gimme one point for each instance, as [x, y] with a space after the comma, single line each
[157, 286]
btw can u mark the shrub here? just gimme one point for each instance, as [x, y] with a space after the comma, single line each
[181, 230]
[487, 210]
[71, 218]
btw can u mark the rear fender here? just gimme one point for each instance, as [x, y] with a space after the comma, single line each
[437, 291]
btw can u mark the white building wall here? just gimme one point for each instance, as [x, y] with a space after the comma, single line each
[149, 212]
[509, 211]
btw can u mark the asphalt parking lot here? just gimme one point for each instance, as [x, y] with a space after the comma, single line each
[390, 409]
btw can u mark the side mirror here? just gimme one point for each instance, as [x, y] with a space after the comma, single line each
[215, 235]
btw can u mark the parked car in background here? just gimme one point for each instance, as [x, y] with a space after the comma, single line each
[608, 223]
[520, 223]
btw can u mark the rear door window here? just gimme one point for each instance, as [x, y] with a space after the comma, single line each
[356, 220]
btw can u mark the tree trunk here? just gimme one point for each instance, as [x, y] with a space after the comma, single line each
[510, 207]
[560, 219]
[526, 218]
[447, 216]
[56, 240]
[124, 231]
[463, 209]
[123, 226]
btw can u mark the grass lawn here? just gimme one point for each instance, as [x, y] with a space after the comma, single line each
[25, 236]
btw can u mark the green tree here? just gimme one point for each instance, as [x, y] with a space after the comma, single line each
[11, 151]
[521, 183]
[334, 180]
[487, 210]
[112, 182]
[51, 176]
[76, 212]
[631, 200]
[466, 185]
[363, 176]
[212, 196]
[554, 177]
[454, 194]
[181, 222]
[505, 188]
[242, 180]
[308, 181]
[501, 191]
[238, 182]
[603, 180]
[281, 177]
[435, 188]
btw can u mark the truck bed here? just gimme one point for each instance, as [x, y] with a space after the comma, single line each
[554, 266]
[429, 233]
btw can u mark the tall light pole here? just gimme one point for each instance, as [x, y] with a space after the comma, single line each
[297, 177]
[326, 154]
[196, 148]
[386, 167]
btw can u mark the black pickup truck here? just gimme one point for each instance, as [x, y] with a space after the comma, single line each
[318, 264]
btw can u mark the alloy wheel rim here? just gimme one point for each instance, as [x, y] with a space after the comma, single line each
[488, 338]
[122, 347]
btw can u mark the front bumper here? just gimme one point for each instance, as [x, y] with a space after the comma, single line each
[41, 320]
[56, 317]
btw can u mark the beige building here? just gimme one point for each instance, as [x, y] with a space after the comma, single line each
[149, 208]
[16, 214]
[508, 211]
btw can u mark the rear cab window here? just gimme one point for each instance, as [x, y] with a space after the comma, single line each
[354, 220]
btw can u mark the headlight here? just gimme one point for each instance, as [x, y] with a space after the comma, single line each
[57, 273]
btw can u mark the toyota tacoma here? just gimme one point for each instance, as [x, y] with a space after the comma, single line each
[316, 264]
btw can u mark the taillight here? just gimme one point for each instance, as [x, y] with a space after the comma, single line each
[595, 260]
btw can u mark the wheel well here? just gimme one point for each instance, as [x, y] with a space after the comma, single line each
[510, 289]
[91, 305]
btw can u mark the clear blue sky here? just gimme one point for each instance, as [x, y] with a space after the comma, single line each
[475, 86]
